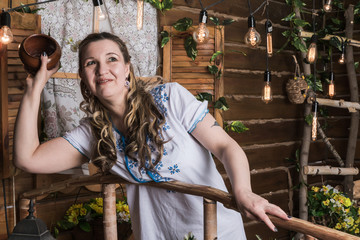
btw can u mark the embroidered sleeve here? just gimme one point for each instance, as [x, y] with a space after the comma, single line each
[185, 107]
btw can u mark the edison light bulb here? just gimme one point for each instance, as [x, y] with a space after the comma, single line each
[331, 85]
[252, 37]
[267, 92]
[314, 123]
[269, 45]
[201, 34]
[327, 6]
[6, 35]
[342, 58]
[140, 14]
[311, 55]
[99, 10]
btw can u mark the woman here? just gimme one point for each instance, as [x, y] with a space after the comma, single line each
[142, 133]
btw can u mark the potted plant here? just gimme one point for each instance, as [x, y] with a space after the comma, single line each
[87, 217]
[330, 207]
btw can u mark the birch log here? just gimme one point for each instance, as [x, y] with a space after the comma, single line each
[110, 223]
[210, 221]
[352, 106]
[328, 170]
[354, 97]
[330, 146]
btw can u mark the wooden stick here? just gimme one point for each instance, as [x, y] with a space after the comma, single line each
[110, 223]
[210, 221]
[329, 170]
[330, 146]
[351, 42]
[225, 198]
[65, 75]
[352, 106]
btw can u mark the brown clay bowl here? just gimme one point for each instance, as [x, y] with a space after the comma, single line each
[33, 46]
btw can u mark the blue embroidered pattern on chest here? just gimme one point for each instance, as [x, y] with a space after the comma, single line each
[174, 169]
[161, 97]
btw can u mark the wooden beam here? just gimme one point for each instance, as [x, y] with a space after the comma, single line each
[351, 42]
[329, 170]
[4, 114]
[65, 75]
[294, 224]
[210, 221]
[351, 106]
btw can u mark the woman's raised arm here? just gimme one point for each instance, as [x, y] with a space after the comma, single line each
[53, 156]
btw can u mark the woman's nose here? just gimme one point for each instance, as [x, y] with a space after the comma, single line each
[102, 68]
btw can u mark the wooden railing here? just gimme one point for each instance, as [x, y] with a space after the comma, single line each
[210, 195]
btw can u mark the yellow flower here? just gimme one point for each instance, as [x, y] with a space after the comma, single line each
[357, 231]
[338, 226]
[99, 201]
[347, 202]
[315, 189]
[82, 211]
[326, 203]
[73, 218]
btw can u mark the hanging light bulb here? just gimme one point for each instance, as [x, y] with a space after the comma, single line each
[314, 122]
[252, 37]
[268, 30]
[201, 34]
[328, 6]
[267, 92]
[6, 35]
[140, 14]
[331, 85]
[312, 53]
[99, 10]
[342, 56]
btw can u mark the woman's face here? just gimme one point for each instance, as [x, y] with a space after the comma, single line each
[104, 70]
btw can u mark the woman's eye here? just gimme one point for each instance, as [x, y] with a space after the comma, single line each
[112, 59]
[89, 63]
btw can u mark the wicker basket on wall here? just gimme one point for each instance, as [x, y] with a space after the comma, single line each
[297, 87]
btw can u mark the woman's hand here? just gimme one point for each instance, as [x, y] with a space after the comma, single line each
[38, 81]
[255, 207]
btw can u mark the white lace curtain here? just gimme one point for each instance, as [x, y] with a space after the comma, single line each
[69, 21]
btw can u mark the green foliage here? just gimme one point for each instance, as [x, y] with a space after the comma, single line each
[204, 96]
[235, 126]
[27, 9]
[225, 22]
[190, 47]
[332, 208]
[183, 24]
[296, 160]
[308, 119]
[221, 104]
[189, 236]
[310, 81]
[165, 37]
[163, 5]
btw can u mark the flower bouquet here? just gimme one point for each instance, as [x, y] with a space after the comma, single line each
[85, 214]
[331, 208]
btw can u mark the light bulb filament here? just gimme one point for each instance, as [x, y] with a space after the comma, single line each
[140, 14]
[331, 89]
[269, 45]
[312, 53]
[267, 93]
[314, 127]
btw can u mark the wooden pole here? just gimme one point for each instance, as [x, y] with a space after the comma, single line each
[110, 223]
[210, 221]
[330, 146]
[329, 170]
[4, 140]
[354, 97]
[351, 42]
[352, 106]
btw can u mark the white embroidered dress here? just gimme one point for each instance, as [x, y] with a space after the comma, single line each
[159, 213]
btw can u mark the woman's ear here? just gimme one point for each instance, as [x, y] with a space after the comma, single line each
[127, 70]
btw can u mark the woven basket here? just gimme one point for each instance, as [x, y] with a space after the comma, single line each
[297, 87]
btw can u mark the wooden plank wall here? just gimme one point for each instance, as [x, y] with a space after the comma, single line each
[275, 128]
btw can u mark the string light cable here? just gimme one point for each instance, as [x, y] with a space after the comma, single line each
[201, 33]
[266, 96]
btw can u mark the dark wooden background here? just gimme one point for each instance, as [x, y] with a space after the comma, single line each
[275, 128]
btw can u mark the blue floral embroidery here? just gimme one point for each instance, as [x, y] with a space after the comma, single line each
[160, 98]
[120, 145]
[133, 164]
[174, 169]
[165, 152]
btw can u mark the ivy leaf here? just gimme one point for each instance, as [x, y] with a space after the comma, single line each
[221, 104]
[167, 5]
[215, 20]
[228, 21]
[237, 51]
[334, 41]
[236, 126]
[183, 24]
[308, 119]
[204, 97]
[356, 64]
[289, 17]
[288, 2]
[299, 4]
[217, 53]
[297, 43]
[190, 47]
[286, 33]
[336, 21]
[213, 69]
[85, 226]
[165, 38]
[300, 22]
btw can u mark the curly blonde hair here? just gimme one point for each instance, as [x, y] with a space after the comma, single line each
[143, 120]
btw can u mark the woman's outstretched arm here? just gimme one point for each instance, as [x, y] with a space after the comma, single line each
[213, 137]
[53, 156]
